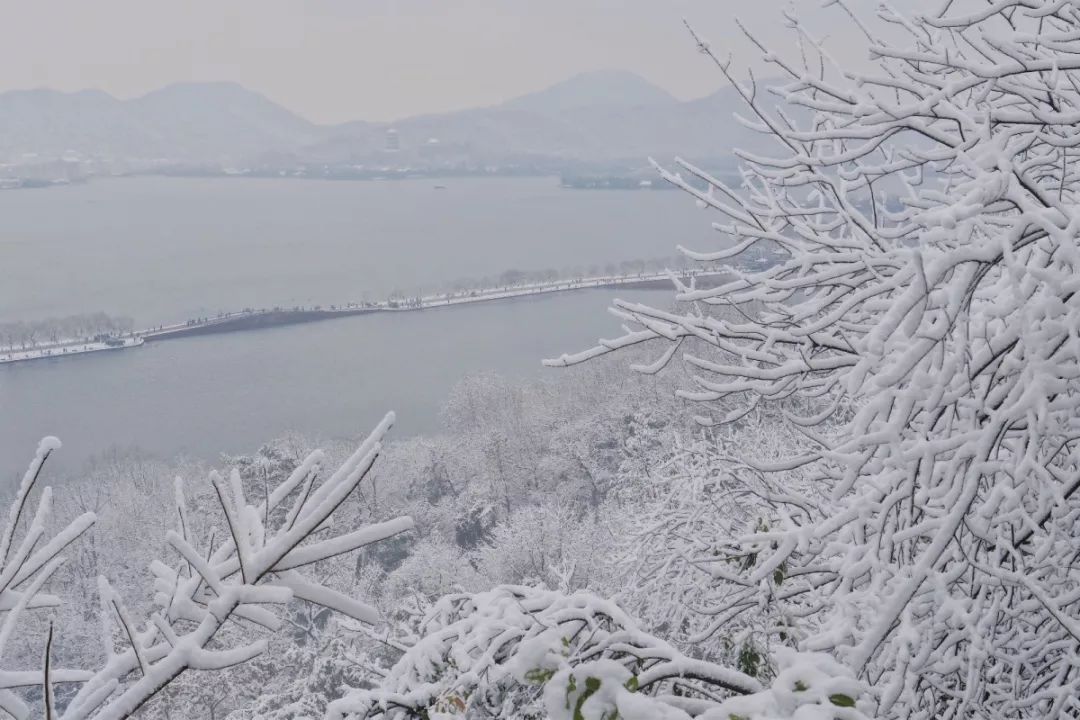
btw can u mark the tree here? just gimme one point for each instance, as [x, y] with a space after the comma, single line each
[680, 563]
[921, 332]
[207, 602]
[519, 652]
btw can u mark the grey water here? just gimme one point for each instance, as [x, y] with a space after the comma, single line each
[164, 249]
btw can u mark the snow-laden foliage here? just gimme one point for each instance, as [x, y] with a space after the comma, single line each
[921, 329]
[556, 451]
[681, 567]
[517, 652]
[490, 654]
[208, 604]
[26, 565]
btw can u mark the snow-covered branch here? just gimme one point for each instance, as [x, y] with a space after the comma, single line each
[240, 582]
[521, 652]
[26, 565]
[920, 328]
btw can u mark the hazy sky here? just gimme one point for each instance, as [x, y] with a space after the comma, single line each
[335, 60]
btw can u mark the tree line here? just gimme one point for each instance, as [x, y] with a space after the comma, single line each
[52, 331]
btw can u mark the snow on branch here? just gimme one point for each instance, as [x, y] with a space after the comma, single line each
[521, 652]
[921, 327]
[26, 565]
[241, 581]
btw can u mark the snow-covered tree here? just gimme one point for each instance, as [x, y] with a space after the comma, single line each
[680, 565]
[921, 329]
[518, 652]
[210, 605]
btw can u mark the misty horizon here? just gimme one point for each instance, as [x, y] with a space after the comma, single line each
[333, 61]
[225, 82]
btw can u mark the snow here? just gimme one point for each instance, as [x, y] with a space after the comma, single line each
[12, 355]
[498, 649]
[208, 595]
[926, 348]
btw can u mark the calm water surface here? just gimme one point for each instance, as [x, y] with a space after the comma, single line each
[166, 249]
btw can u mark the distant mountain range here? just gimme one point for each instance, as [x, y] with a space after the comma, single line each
[185, 122]
[597, 118]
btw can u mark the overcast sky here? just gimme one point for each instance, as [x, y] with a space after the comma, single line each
[336, 60]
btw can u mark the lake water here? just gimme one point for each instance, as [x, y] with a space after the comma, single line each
[161, 250]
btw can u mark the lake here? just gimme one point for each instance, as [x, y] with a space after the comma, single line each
[162, 249]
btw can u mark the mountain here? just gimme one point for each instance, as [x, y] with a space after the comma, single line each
[605, 117]
[609, 88]
[220, 119]
[597, 118]
[48, 123]
[191, 122]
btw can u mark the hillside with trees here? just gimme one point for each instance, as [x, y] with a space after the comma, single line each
[840, 487]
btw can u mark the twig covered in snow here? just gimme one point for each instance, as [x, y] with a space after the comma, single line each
[491, 653]
[928, 309]
[518, 652]
[27, 561]
[259, 567]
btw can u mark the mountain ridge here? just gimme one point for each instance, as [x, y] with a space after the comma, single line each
[599, 116]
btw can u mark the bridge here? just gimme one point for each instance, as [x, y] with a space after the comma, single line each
[262, 318]
[254, 319]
